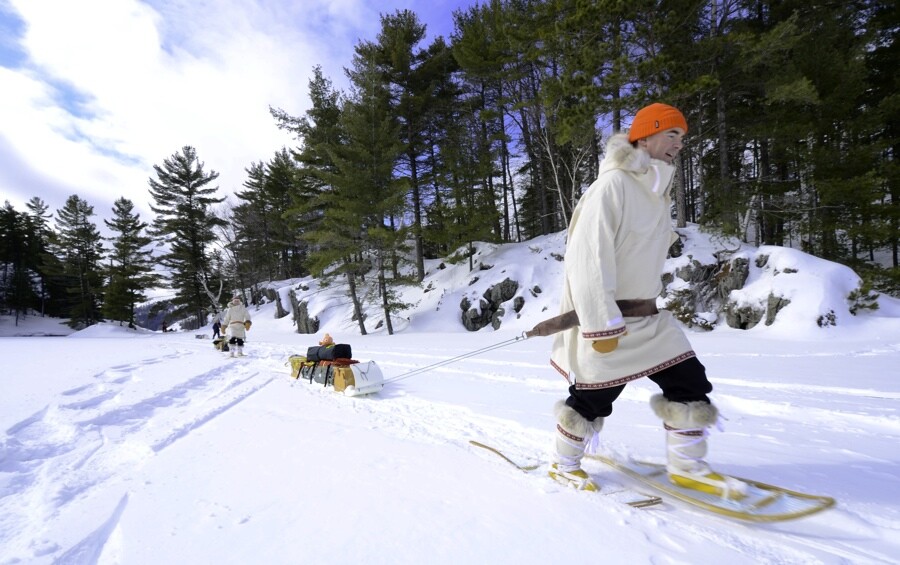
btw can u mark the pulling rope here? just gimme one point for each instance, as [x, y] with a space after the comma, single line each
[420, 370]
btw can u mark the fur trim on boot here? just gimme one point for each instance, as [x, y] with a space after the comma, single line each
[573, 432]
[572, 421]
[686, 424]
[684, 415]
[686, 429]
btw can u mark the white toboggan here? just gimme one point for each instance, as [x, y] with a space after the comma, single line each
[365, 378]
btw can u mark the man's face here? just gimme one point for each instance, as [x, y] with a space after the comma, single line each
[664, 145]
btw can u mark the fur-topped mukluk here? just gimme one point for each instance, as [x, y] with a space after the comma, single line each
[575, 423]
[573, 433]
[684, 415]
[686, 445]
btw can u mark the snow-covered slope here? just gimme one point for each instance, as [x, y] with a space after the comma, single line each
[137, 447]
[814, 287]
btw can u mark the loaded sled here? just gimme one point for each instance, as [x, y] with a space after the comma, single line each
[333, 365]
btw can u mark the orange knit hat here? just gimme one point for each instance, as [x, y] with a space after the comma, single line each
[654, 119]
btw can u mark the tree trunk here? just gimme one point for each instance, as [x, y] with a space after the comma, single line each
[417, 214]
[357, 305]
[385, 306]
[725, 189]
[504, 160]
[678, 189]
[537, 172]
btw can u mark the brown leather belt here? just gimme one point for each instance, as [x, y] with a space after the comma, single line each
[634, 308]
[637, 308]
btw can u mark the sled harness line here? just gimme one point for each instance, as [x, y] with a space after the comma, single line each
[565, 321]
[426, 368]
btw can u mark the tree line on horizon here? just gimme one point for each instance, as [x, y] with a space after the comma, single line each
[494, 133]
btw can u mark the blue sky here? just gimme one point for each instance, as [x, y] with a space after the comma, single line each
[95, 92]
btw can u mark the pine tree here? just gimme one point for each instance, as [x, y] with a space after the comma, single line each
[47, 291]
[273, 248]
[250, 244]
[479, 131]
[281, 188]
[357, 231]
[318, 131]
[16, 267]
[463, 214]
[509, 51]
[409, 75]
[131, 266]
[186, 224]
[79, 246]
[883, 100]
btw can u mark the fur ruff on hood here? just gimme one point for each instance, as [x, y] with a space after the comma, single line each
[621, 154]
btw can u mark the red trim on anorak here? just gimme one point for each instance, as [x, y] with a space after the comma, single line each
[629, 378]
[606, 334]
[560, 371]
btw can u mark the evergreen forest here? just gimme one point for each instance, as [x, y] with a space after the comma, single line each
[493, 134]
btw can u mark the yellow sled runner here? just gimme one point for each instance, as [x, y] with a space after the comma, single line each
[762, 503]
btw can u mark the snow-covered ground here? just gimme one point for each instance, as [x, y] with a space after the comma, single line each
[145, 448]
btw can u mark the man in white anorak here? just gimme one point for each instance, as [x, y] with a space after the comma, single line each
[618, 241]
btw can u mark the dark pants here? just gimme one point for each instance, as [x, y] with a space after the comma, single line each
[684, 382]
[236, 341]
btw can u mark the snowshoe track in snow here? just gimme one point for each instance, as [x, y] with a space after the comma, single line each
[96, 433]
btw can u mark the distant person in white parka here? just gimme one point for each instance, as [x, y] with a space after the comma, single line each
[236, 322]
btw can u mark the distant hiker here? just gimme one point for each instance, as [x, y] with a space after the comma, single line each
[326, 340]
[618, 240]
[165, 326]
[236, 322]
[216, 326]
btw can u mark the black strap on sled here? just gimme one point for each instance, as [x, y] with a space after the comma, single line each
[327, 368]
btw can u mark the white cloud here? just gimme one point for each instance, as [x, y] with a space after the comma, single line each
[108, 88]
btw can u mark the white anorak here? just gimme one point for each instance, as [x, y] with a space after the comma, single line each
[618, 241]
[234, 320]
